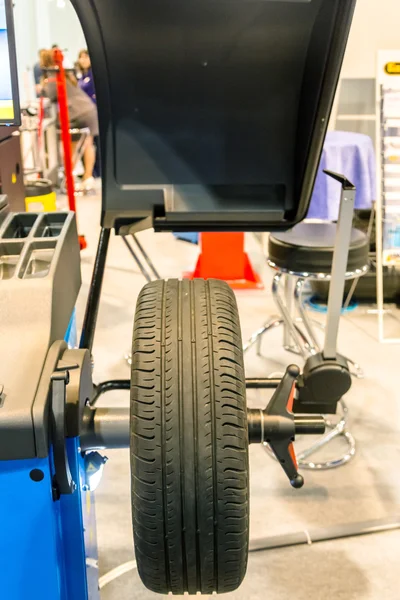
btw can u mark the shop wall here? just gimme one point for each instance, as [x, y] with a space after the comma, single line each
[65, 28]
[376, 26]
[39, 24]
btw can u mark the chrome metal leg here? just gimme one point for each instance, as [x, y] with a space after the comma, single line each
[336, 430]
[259, 337]
[286, 315]
[276, 322]
[306, 342]
[298, 296]
[289, 287]
[256, 338]
[289, 342]
[79, 149]
[351, 292]
[357, 370]
[318, 324]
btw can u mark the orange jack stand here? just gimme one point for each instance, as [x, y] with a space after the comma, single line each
[82, 242]
[223, 257]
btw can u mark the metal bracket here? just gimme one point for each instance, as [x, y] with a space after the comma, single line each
[339, 264]
[62, 481]
[277, 426]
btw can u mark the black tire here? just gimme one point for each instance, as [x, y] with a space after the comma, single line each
[189, 439]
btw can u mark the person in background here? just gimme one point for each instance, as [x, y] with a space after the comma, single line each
[84, 74]
[68, 64]
[82, 111]
[85, 80]
[38, 74]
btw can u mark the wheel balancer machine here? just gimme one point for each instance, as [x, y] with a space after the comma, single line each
[212, 118]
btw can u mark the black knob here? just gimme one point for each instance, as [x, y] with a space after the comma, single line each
[297, 482]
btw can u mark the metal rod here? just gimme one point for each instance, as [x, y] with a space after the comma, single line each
[256, 337]
[306, 341]
[108, 386]
[262, 383]
[309, 424]
[289, 288]
[264, 427]
[93, 302]
[298, 294]
[325, 534]
[351, 292]
[339, 268]
[105, 428]
[145, 274]
[286, 315]
[146, 257]
[110, 427]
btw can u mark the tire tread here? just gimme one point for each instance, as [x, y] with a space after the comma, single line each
[189, 446]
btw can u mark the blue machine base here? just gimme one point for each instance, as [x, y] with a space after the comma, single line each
[48, 548]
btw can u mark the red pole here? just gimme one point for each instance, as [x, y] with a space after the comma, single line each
[40, 117]
[40, 134]
[65, 135]
[64, 125]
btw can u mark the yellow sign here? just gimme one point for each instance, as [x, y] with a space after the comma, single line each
[392, 68]
[6, 110]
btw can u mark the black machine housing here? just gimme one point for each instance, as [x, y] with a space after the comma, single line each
[212, 114]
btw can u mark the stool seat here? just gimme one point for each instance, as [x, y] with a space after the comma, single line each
[308, 248]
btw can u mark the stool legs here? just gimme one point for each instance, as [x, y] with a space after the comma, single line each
[292, 329]
[79, 149]
[287, 338]
[298, 296]
[297, 339]
[256, 338]
[294, 339]
[288, 342]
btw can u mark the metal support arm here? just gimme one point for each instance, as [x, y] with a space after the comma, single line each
[275, 425]
[339, 265]
[105, 428]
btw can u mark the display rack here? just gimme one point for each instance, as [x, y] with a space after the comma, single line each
[388, 169]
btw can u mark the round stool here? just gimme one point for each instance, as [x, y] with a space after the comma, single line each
[302, 254]
[308, 248]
